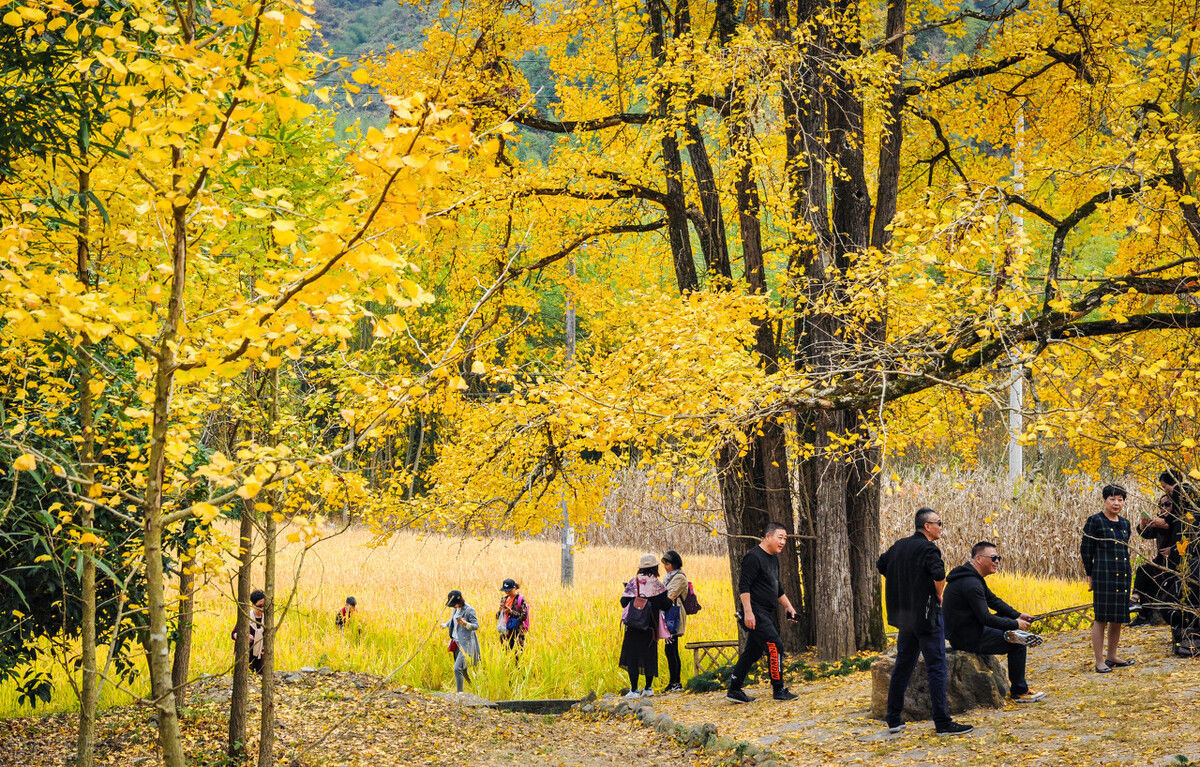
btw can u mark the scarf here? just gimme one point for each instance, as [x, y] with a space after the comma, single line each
[644, 586]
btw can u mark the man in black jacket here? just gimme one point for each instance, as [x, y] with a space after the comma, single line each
[915, 577]
[972, 626]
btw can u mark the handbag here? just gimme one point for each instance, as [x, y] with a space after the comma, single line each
[663, 631]
[452, 647]
[671, 618]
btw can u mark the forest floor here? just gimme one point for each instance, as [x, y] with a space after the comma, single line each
[1143, 715]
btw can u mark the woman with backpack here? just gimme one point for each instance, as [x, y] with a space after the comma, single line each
[464, 640]
[676, 583]
[644, 599]
[512, 619]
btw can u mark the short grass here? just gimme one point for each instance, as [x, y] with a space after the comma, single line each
[401, 587]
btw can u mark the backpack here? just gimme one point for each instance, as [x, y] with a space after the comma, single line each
[515, 622]
[637, 612]
[691, 605]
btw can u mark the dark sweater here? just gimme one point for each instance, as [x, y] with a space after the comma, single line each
[759, 578]
[912, 565]
[967, 604]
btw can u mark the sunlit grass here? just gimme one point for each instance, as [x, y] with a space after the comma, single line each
[573, 643]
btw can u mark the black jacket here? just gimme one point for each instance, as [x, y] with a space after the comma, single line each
[911, 566]
[967, 604]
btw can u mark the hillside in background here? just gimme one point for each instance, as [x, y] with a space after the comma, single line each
[357, 28]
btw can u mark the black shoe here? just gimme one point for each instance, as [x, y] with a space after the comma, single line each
[784, 694]
[737, 695]
[954, 728]
[1141, 620]
[674, 687]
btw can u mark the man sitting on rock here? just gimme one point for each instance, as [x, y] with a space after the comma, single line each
[971, 625]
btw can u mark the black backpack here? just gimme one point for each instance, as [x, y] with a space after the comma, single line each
[637, 612]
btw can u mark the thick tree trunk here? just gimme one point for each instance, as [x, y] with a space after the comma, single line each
[832, 590]
[183, 633]
[241, 646]
[862, 504]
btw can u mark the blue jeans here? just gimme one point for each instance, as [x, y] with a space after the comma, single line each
[932, 646]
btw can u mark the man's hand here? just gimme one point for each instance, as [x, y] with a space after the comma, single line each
[749, 621]
[791, 615]
[1158, 522]
[1166, 551]
[1022, 624]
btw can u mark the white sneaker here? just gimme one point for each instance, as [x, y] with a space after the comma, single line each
[648, 693]
[633, 694]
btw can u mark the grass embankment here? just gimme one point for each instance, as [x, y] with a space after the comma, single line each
[401, 587]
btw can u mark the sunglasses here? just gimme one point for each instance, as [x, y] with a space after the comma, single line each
[937, 522]
[1165, 505]
[996, 558]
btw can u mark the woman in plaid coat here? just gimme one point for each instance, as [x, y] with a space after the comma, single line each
[1105, 553]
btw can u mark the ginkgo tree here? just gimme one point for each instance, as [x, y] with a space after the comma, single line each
[202, 97]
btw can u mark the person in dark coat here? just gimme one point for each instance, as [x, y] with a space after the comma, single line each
[1104, 549]
[639, 648]
[1154, 583]
[916, 576]
[972, 626]
[761, 594]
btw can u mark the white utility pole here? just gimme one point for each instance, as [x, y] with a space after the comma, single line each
[1016, 383]
[568, 533]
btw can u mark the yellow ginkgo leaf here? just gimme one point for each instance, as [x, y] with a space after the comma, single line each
[25, 462]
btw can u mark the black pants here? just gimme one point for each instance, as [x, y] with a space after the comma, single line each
[763, 640]
[993, 643]
[671, 650]
[633, 679]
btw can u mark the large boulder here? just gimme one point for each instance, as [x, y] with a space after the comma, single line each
[972, 681]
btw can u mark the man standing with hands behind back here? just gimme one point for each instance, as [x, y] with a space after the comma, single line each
[759, 591]
[916, 576]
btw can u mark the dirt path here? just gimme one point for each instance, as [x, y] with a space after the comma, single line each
[1143, 715]
[341, 719]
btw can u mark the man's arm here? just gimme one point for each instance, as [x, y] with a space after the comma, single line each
[939, 586]
[747, 612]
[789, 611]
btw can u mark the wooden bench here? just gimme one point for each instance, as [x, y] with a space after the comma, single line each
[710, 655]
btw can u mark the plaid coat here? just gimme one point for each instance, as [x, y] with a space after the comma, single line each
[1105, 552]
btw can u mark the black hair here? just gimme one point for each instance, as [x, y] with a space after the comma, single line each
[352, 601]
[648, 571]
[922, 517]
[1171, 477]
[980, 547]
[672, 557]
[771, 528]
[256, 595]
[1111, 490]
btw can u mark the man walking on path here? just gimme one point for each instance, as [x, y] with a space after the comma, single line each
[971, 626]
[915, 577]
[760, 593]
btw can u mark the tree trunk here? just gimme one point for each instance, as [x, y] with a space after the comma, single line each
[183, 633]
[832, 590]
[266, 738]
[862, 504]
[677, 223]
[241, 646]
[89, 682]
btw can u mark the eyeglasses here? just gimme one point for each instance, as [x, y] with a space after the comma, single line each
[1165, 505]
[937, 522]
[996, 558]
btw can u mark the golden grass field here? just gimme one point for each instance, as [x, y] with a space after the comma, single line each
[401, 586]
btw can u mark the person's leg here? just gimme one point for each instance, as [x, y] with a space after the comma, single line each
[460, 670]
[993, 643]
[933, 650]
[750, 655]
[1114, 639]
[773, 647]
[906, 660]
[1098, 629]
[674, 667]
[649, 683]
[633, 678]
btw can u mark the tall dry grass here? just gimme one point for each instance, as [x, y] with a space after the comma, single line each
[1037, 528]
